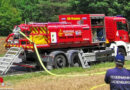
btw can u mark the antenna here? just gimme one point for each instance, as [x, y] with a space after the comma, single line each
[25, 21]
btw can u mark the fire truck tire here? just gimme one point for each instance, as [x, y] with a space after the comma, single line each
[75, 61]
[122, 51]
[60, 61]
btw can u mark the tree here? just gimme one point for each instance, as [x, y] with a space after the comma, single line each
[27, 9]
[8, 18]
[108, 7]
[48, 10]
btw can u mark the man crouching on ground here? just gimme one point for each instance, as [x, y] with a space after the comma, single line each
[118, 77]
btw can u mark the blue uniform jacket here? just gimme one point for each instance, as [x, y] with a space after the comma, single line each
[119, 79]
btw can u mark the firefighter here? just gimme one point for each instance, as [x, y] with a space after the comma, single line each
[118, 77]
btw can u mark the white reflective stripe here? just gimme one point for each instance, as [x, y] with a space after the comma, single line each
[120, 77]
[120, 82]
[117, 33]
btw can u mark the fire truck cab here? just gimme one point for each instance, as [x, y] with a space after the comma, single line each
[117, 32]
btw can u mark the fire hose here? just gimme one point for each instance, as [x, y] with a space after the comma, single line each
[43, 66]
[53, 74]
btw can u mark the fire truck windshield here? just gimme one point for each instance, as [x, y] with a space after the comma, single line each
[122, 26]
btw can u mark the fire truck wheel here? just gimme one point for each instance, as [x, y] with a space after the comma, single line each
[122, 51]
[75, 61]
[60, 61]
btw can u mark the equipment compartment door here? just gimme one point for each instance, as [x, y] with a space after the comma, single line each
[98, 29]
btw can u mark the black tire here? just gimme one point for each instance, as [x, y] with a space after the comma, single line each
[30, 57]
[121, 51]
[75, 61]
[60, 61]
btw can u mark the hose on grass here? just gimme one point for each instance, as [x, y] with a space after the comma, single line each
[53, 74]
[97, 86]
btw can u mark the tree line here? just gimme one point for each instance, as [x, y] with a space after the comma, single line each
[14, 12]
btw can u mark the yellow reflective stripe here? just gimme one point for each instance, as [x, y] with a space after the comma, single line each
[44, 30]
[48, 41]
[40, 29]
[34, 28]
[33, 31]
[45, 37]
[97, 86]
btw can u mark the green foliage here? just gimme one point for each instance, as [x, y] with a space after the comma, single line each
[108, 7]
[1, 55]
[27, 9]
[49, 10]
[9, 17]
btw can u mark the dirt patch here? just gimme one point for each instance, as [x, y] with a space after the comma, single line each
[2, 42]
[62, 83]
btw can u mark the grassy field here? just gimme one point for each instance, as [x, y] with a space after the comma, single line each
[44, 81]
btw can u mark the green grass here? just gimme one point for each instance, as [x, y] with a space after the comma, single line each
[70, 70]
[1, 55]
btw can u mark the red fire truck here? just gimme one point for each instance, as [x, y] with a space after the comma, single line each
[60, 42]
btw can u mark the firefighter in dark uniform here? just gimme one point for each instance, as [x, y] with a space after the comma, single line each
[118, 77]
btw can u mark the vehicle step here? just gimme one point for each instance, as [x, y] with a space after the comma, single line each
[4, 62]
[2, 69]
[15, 48]
[8, 59]
[9, 55]
[3, 66]
[13, 52]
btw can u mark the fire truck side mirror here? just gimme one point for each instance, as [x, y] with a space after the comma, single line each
[128, 26]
